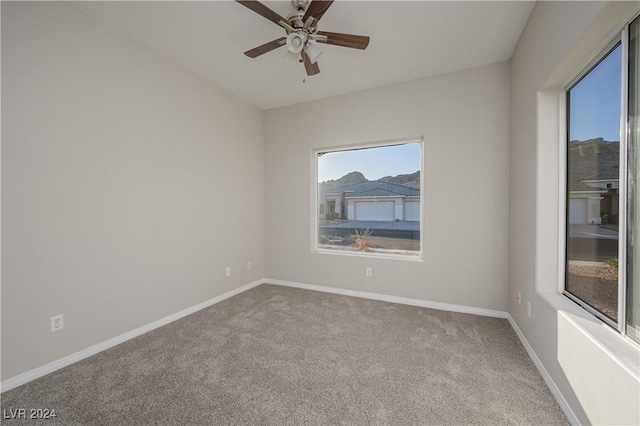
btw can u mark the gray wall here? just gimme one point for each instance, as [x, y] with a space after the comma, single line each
[128, 185]
[594, 368]
[464, 119]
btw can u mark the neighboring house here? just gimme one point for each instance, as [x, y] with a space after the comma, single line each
[377, 200]
[593, 198]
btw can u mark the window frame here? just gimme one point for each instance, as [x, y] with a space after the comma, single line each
[315, 216]
[620, 325]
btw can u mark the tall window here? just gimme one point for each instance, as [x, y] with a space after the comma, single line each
[593, 168]
[602, 271]
[369, 200]
[632, 316]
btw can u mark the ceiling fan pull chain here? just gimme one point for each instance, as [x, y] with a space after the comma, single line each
[304, 75]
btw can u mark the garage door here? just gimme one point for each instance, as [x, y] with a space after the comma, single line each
[578, 210]
[383, 210]
[412, 210]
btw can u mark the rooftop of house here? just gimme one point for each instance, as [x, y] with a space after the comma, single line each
[374, 189]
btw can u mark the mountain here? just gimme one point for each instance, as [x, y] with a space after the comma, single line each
[412, 180]
[348, 179]
[593, 159]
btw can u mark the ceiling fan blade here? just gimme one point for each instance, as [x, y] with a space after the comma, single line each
[312, 69]
[267, 47]
[262, 10]
[345, 40]
[317, 8]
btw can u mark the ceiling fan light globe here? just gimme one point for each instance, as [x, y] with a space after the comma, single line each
[295, 43]
[313, 52]
[294, 58]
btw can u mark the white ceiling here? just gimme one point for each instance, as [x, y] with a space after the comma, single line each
[409, 40]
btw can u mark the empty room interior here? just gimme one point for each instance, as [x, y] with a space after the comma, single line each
[316, 212]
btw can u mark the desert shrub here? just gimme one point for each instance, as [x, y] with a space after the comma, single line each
[363, 240]
[612, 262]
[332, 215]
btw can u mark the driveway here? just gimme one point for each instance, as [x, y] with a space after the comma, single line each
[592, 231]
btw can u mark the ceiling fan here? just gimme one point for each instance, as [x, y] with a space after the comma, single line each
[302, 28]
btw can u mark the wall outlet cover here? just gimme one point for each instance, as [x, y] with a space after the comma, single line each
[57, 323]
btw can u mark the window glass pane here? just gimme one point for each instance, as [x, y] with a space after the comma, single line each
[633, 218]
[369, 200]
[593, 164]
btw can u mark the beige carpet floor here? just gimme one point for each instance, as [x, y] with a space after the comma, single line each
[277, 355]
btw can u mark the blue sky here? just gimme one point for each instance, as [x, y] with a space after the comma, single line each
[595, 102]
[373, 163]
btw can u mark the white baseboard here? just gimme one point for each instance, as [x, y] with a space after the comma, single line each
[30, 375]
[393, 299]
[564, 405]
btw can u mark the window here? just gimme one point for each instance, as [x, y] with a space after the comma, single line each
[593, 165]
[369, 200]
[632, 315]
[602, 188]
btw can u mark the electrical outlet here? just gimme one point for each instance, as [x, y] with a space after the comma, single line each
[228, 271]
[529, 309]
[248, 265]
[519, 299]
[368, 272]
[57, 323]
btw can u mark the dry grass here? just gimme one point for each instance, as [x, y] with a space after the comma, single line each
[396, 243]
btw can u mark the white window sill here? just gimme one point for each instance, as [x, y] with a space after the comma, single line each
[411, 258]
[620, 348]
